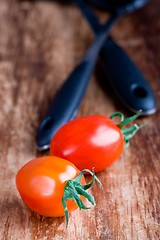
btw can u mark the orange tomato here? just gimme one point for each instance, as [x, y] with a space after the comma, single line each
[41, 184]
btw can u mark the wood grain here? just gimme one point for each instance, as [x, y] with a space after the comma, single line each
[40, 43]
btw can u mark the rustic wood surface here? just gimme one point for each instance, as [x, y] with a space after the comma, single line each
[40, 43]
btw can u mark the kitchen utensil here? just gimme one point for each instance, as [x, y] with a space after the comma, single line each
[69, 97]
[127, 81]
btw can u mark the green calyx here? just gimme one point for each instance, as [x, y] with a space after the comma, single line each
[73, 189]
[129, 132]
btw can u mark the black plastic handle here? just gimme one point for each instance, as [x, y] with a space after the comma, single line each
[69, 97]
[127, 80]
[65, 104]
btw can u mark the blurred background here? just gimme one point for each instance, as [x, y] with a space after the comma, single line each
[40, 44]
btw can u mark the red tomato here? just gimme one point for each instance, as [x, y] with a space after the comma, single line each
[41, 184]
[88, 142]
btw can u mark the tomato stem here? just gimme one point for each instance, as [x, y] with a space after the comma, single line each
[129, 132]
[73, 189]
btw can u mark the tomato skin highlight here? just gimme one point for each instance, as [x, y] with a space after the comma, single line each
[41, 183]
[88, 142]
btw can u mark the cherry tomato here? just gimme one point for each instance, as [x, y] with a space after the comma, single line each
[41, 184]
[93, 141]
[88, 142]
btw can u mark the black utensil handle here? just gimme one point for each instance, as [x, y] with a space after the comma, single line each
[124, 74]
[69, 97]
[127, 80]
[65, 104]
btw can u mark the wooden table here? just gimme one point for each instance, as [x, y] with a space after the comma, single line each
[40, 43]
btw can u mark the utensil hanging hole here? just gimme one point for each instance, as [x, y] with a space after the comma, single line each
[47, 124]
[140, 92]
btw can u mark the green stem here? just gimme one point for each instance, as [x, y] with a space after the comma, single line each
[129, 132]
[73, 189]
